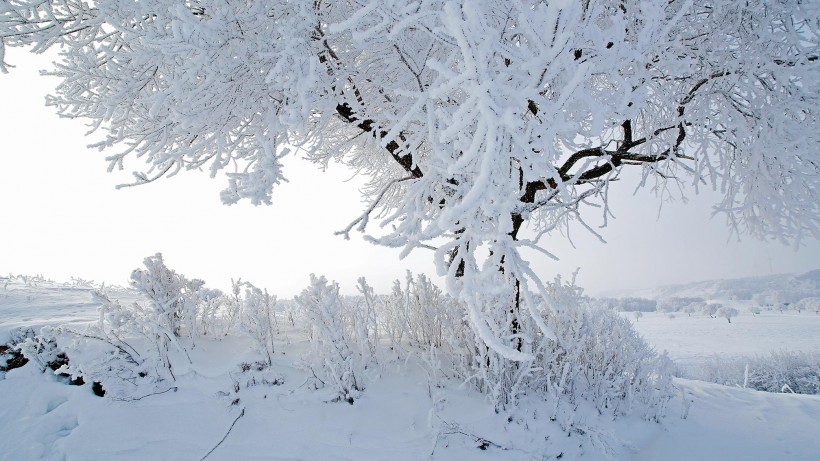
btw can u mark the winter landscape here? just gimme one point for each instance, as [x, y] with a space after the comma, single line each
[487, 144]
[265, 379]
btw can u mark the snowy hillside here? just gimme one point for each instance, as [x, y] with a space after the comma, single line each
[224, 405]
[801, 285]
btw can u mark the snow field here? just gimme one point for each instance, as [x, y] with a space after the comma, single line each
[698, 338]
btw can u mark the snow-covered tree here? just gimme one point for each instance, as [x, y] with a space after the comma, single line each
[727, 313]
[710, 309]
[471, 118]
[811, 304]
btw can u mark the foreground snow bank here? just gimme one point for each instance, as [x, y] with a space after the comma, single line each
[398, 418]
[727, 423]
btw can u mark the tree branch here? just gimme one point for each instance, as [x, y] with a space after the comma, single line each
[618, 157]
[406, 161]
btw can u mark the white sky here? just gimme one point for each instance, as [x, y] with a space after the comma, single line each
[61, 216]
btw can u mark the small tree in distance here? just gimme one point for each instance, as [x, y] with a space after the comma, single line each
[811, 304]
[472, 120]
[711, 309]
[727, 313]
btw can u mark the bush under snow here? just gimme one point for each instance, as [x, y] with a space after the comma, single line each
[593, 355]
[780, 371]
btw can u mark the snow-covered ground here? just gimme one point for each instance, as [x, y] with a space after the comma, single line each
[33, 302]
[400, 416]
[699, 338]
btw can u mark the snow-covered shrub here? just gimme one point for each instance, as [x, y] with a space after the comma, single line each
[129, 349]
[596, 356]
[122, 367]
[253, 375]
[172, 298]
[394, 318]
[600, 357]
[217, 313]
[330, 339]
[41, 349]
[11, 356]
[17, 335]
[780, 371]
[84, 358]
[138, 348]
[427, 311]
[419, 312]
[364, 322]
[419, 321]
[797, 372]
[258, 317]
[169, 321]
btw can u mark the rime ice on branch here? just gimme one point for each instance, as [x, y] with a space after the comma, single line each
[470, 118]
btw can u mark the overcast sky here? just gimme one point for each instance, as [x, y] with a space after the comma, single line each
[62, 217]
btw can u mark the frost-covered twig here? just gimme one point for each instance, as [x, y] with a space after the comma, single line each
[365, 217]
